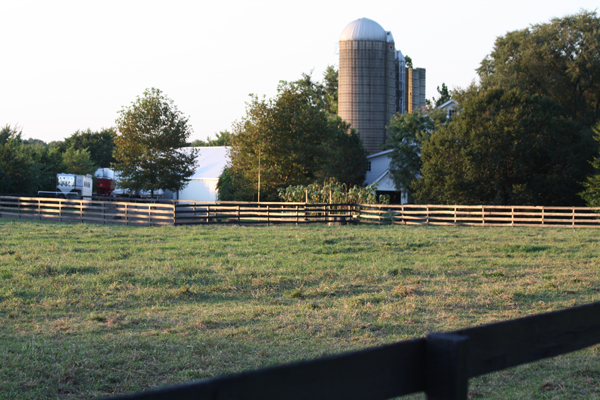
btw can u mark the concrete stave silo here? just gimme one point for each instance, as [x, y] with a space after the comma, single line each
[367, 80]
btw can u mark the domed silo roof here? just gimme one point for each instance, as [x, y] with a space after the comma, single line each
[364, 29]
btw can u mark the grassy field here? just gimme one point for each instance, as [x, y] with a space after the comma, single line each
[92, 310]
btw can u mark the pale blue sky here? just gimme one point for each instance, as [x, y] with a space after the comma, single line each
[69, 65]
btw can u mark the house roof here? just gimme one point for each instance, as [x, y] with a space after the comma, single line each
[381, 153]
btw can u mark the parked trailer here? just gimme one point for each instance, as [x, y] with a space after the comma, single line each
[105, 181]
[73, 186]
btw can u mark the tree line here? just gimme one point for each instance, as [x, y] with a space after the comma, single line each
[523, 135]
[527, 133]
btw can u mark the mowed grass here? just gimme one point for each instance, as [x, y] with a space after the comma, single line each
[93, 310]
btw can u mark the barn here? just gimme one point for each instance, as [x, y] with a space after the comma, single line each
[378, 172]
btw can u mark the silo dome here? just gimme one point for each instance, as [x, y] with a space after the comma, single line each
[364, 29]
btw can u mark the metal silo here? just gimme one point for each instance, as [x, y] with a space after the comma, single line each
[367, 80]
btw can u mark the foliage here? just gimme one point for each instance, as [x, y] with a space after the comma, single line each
[223, 139]
[78, 162]
[591, 192]
[405, 136]
[558, 60]
[18, 170]
[49, 161]
[147, 150]
[292, 140]
[330, 88]
[346, 158]
[505, 147]
[444, 96]
[231, 187]
[524, 133]
[409, 61]
[332, 191]
[100, 145]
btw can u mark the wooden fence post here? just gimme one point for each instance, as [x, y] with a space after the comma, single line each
[542, 215]
[447, 375]
[573, 217]
[482, 215]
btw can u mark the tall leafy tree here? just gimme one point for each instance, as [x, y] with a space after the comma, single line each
[330, 86]
[279, 141]
[505, 147]
[100, 145]
[288, 141]
[405, 136]
[147, 149]
[78, 162]
[346, 159]
[444, 95]
[558, 59]
[591, 186]
[18, 169]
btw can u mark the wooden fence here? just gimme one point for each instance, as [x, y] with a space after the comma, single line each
[182, 212]
[145, 214]
[196, 212]
[439, 365]
[541, 216]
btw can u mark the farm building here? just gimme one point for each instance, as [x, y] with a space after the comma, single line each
[378, 172]
[375, 82]
[203, 184]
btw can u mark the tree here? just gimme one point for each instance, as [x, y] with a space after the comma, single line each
[279, 141]
[444, 96]
[591, 192]
[78, 162]
[405, 136]
[505, 147]
[50, 162]
[18, 170]
[291, 140]
[330, 86]
[147, 150]
[100, 145]
[558, 60]
[223, 139]
[346, 158]
[409, 62]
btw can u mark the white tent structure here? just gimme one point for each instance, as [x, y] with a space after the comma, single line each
[209, 165]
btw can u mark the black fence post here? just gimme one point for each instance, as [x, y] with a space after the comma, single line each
[447, 374]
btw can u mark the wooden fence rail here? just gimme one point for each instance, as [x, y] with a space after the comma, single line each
[193, 212]
[144, 214]
[183, 212]
[439, 365]
[541, 216]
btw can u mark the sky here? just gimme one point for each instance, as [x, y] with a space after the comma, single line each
[73, 65]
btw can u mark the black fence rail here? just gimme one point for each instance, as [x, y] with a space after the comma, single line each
[440, 364]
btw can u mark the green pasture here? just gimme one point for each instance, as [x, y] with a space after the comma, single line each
[92, 310]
